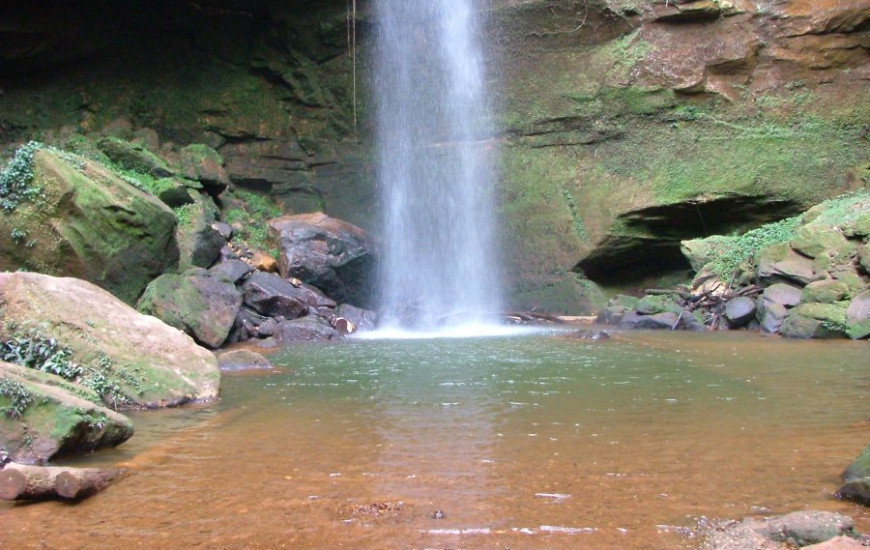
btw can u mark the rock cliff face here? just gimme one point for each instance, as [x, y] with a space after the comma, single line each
[626, 125]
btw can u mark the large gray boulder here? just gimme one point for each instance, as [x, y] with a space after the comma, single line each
[333, 255]
[739, 311]
[142, 362]
[43, 416]
[196, 302]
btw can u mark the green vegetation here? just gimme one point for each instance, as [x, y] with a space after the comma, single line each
[576, 221]
[34, 350]
[16, 177]
[248, 215]
[14, 398]
[735, 250]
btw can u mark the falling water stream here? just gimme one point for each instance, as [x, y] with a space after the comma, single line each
[435, 165]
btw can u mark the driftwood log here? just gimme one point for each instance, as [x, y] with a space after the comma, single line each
[22, 482]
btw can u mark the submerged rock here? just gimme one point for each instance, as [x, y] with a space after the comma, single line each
[43, 416]
[241, 360]
[798, 529]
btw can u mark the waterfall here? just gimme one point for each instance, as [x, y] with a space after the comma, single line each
[436, 151]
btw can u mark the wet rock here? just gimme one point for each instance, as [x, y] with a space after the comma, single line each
[856, 479]
[798, 529]
[201, 305]
[310, 328]
[335, 256]
[242, 359]
[364, 319]
[232, 270]
[54, 417]
[270, 295]
[739, 311]
[805, 528]
[593, 335]
[658, 321]
[611, 315]
[858, 316]
[267, 328]
[837, 543]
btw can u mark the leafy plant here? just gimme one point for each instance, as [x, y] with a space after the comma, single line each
[735, 250]
[40, 353]
[16, 177]
[45, 354]
[249, 220]
[17, 395]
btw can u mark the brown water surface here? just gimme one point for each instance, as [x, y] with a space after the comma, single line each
[523, 442]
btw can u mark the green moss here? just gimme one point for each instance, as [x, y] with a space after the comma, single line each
[248, 216]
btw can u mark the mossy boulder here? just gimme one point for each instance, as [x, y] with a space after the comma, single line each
[135, 157]
[864, 257]
[43, 416]
[173, 192]
[90, 224]
[651, 305]
[196, 302]
[199, 239]
[858, 316]
[816, 240]
[145, 362]
[781, 262]
[815, 320]
[202, 163]
[856, 479]
[825, 292]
